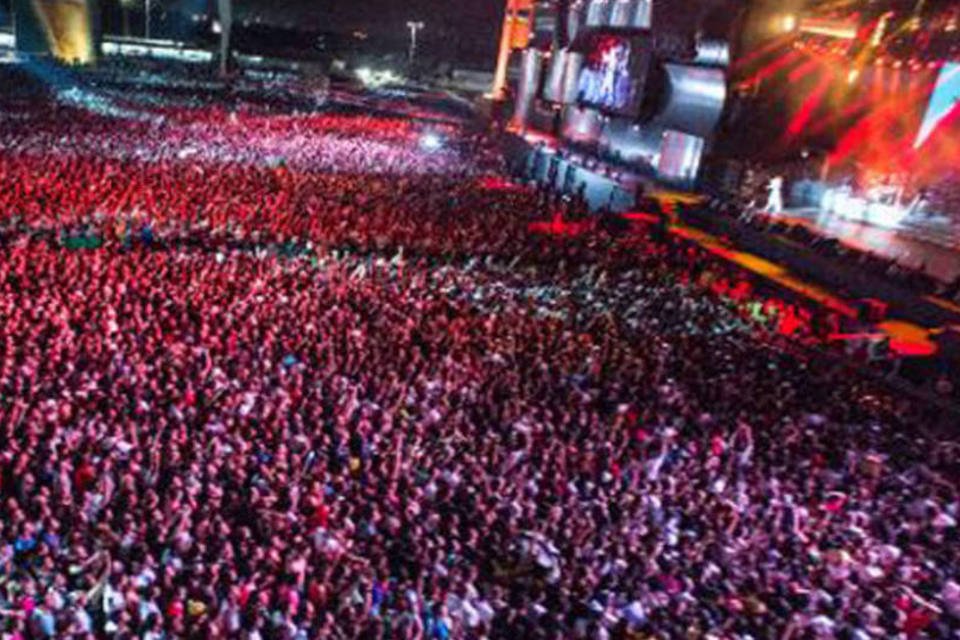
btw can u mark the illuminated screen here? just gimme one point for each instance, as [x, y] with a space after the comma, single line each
[613, 74]
[945, 99]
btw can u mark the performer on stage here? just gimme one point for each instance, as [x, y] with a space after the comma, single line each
[614, 68]
[775, 199]
[918, 206]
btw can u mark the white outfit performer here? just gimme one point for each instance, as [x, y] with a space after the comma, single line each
[775, 199]
[609, 84]
[918, 206]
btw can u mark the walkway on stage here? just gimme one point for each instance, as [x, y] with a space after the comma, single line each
[912, 246]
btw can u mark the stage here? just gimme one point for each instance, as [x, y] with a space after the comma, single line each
[910, 245]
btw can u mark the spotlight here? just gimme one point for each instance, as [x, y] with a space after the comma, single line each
[430, 142]
[788, 23]
[853, 76]
[365, 74]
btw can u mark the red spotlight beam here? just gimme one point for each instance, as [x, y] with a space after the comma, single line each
[809, 106]
[803, 70]
[774, 67]
[766, 49]
[849, 112]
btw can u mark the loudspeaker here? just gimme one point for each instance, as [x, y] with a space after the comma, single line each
[871, 310]
[615, 224]
[948, 342]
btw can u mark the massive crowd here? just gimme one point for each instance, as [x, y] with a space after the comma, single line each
[299, 377]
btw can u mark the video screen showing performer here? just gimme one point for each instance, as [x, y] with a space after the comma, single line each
[606, 81]
[944, 107]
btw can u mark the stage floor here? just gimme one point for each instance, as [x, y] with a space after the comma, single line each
[904, 245]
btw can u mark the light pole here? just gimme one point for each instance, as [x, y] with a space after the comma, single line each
[225, 8]
[148, 5]
[125, 6]
[415, 28]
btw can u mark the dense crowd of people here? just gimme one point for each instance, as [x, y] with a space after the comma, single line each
[298, 377]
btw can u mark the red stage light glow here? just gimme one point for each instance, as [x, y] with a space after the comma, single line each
[785, 61]
[803, 70]
[768, 48]
[810, 105]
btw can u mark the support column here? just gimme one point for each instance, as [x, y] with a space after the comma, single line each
[531, 70]
[506, 46]
[517, 28]
[225, 9]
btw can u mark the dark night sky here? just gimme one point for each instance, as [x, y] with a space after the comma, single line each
[469, 28]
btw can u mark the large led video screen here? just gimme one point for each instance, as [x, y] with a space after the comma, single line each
[614, 72]
[944, 101]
